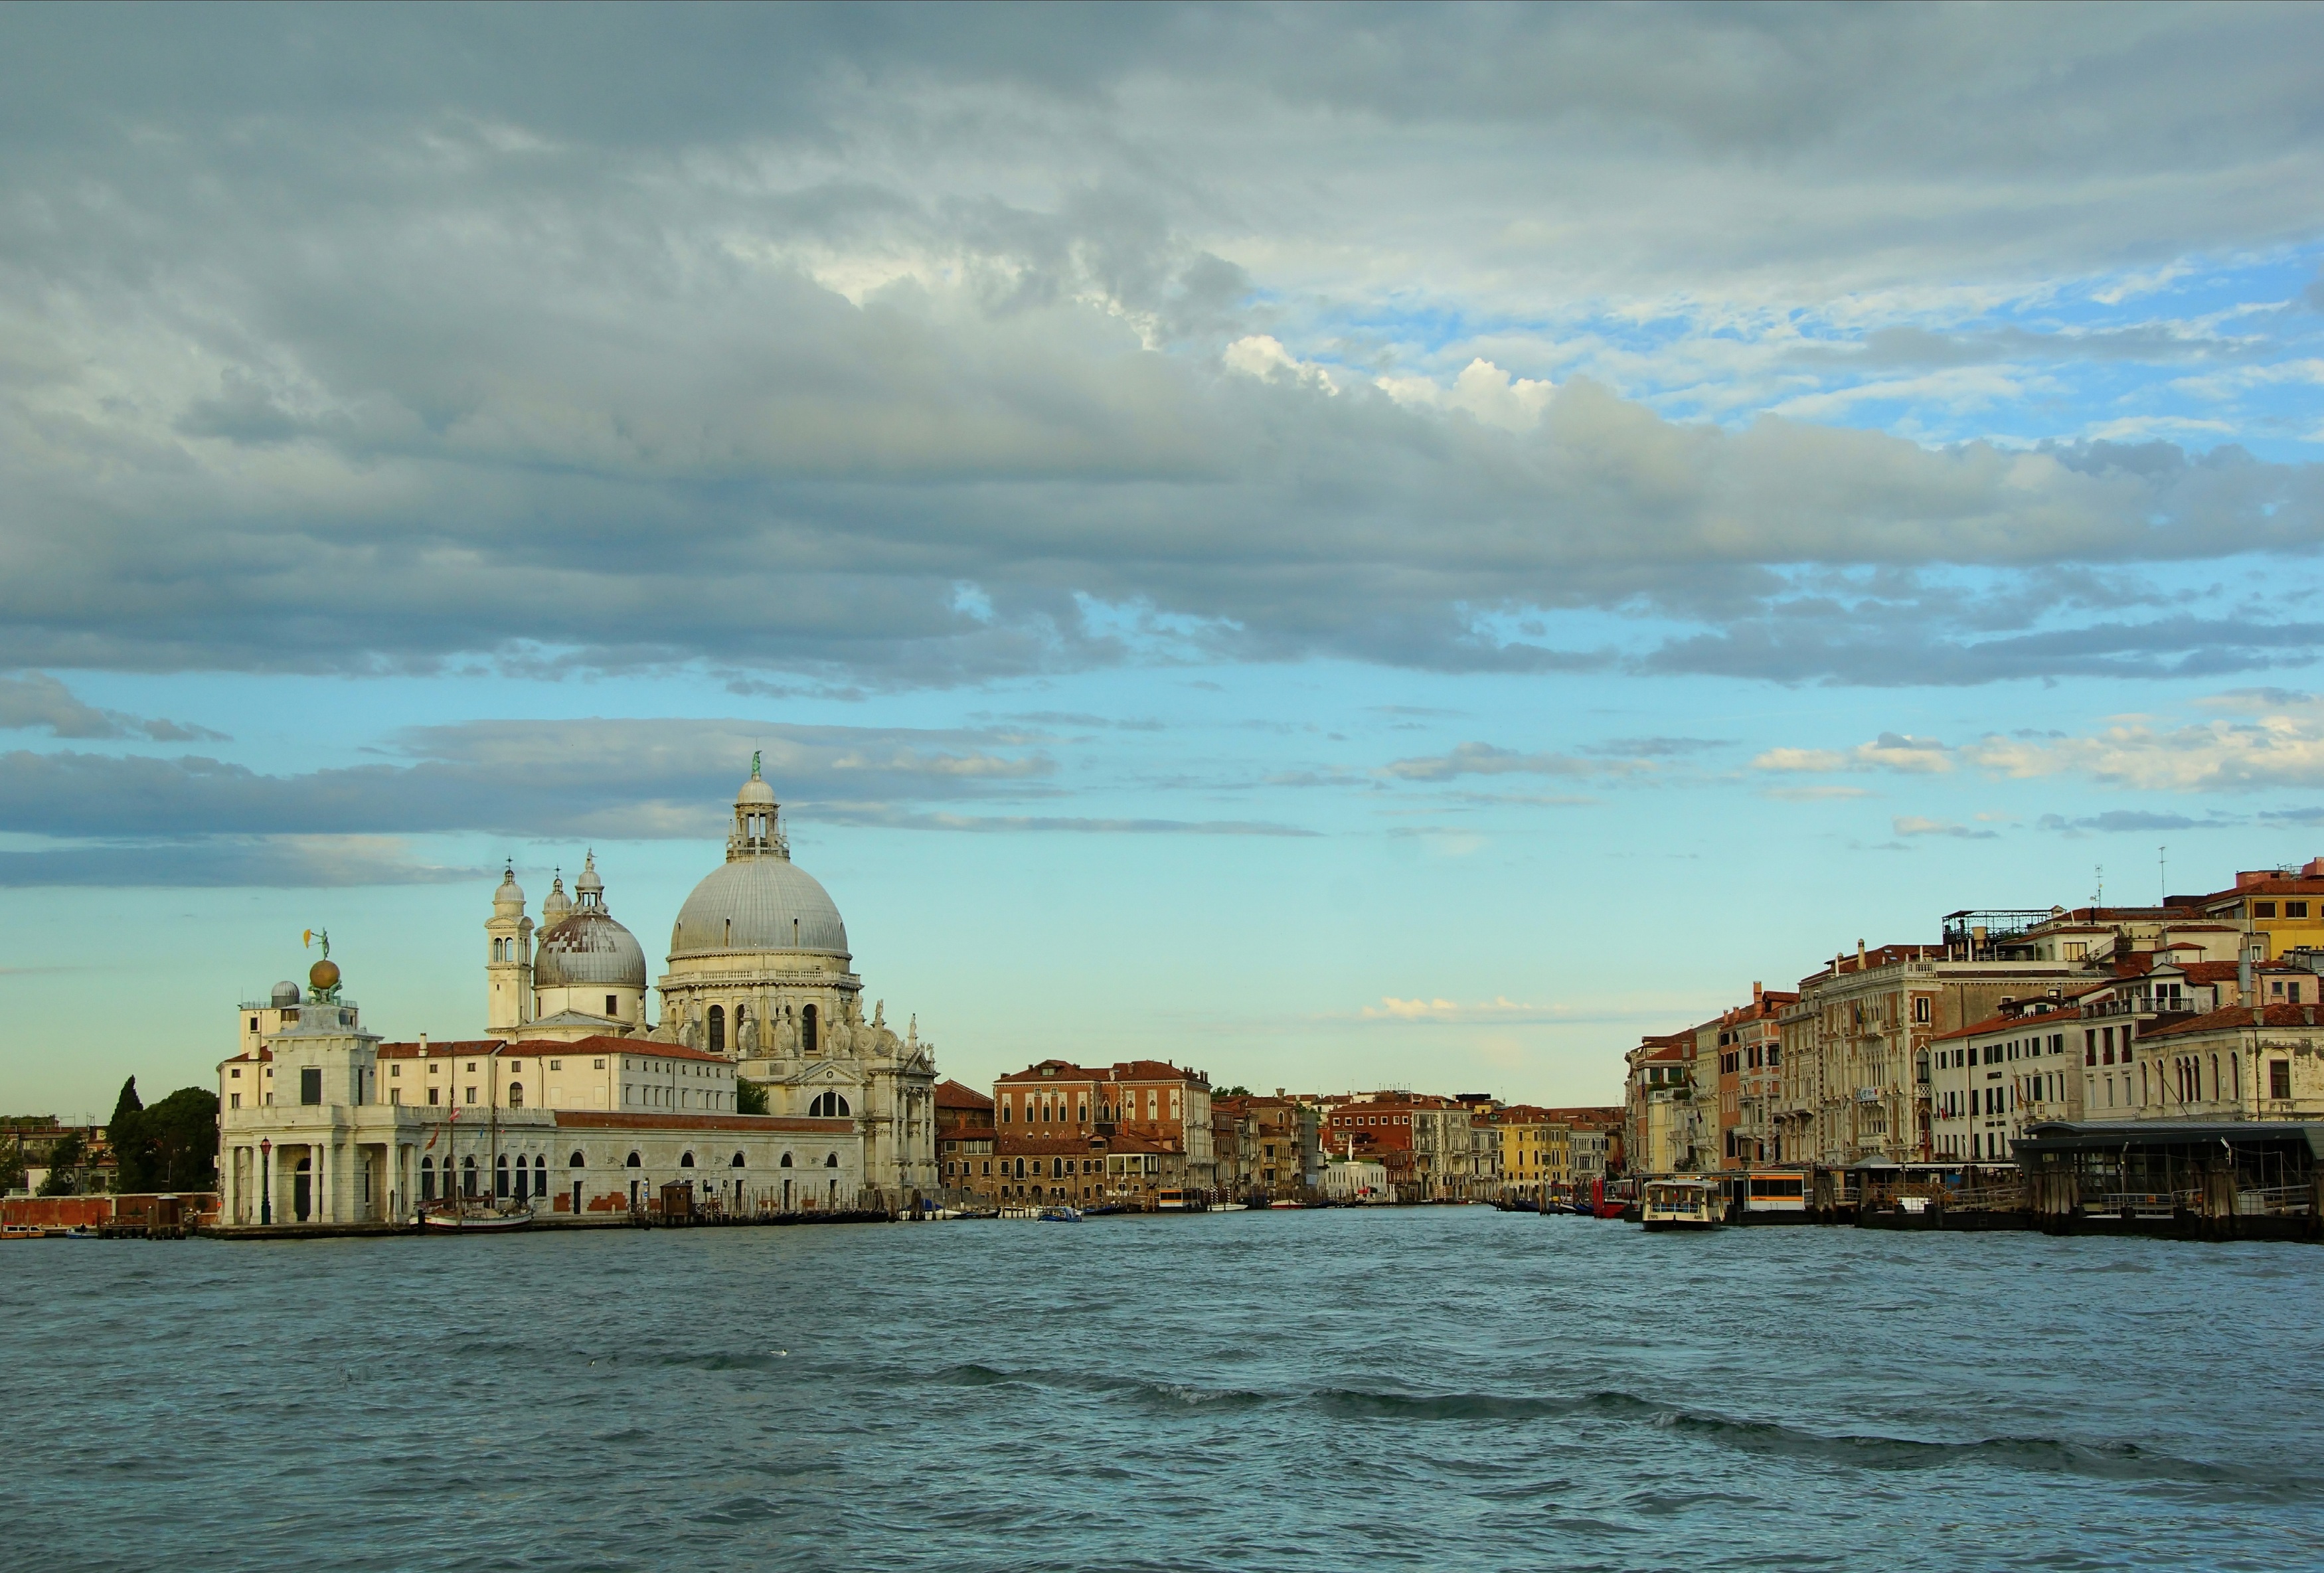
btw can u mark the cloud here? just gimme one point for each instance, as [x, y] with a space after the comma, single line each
[881, 352]
[630, 779]
[1896, 751]
[2279, 749]
[1485, 760]
[2116, 820]
[1913, 824]
[1500, 1009]
[38, 701]
[888, 818]
[278, 863]
[1812, 794]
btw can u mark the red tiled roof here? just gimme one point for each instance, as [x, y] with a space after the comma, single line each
[1054, 1071]
[2234, 1016]
[958, 1095]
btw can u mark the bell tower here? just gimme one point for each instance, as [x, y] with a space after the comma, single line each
[508, 963]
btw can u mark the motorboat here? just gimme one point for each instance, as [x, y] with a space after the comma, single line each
[1232, 1207]
[1682, 1204]
[1060, 1214]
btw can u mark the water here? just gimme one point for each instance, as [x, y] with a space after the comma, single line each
[1448, 1387]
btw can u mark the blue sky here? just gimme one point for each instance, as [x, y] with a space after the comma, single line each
[1348, 547]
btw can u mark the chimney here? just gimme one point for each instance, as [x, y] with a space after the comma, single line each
[1859, 955]
[423, 1045]
[1757, 991]
[2244, 979]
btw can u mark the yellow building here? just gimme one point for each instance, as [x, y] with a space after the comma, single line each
[1536, 1149]
[2281, 910]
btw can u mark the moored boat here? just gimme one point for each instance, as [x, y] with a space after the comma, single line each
[1060, 1214]
[1681, 1204]
[451, 1219]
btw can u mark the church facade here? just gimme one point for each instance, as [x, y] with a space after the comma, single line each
[759, 1002]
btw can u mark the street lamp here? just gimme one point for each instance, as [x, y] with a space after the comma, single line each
[265, 1191]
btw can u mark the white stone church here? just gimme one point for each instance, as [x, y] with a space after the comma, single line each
[569, 1102]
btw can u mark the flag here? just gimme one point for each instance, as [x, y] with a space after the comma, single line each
[306, 939]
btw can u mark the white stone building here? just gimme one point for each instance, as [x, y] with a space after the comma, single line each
[570, 1102]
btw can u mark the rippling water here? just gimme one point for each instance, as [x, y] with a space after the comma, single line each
[1445, 1387]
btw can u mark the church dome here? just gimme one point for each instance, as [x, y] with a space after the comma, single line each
[510, 893]
[589, 948]
[758, 904]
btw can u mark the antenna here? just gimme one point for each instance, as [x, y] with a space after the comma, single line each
[2100, 899]
[2162, 874]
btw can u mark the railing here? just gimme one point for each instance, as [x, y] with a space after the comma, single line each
[2143, 1203]
[2276, 1202]
[1986, 1199]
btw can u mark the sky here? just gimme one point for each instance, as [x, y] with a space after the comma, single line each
[1347, 548]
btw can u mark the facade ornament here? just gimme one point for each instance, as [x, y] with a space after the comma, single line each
[746, 1037]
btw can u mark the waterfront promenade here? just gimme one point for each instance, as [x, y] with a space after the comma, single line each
[1415, 1388]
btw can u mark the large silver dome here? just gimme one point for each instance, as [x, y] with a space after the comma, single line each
[589, 947]
[757, 903]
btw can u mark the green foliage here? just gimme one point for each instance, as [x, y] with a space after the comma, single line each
[171, 1146]
[1232, 1092]
[64, 1159]
[180, 1136]
[124, 1133]
[749, 1097]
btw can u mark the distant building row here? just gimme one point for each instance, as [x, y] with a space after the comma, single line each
[2202, 1007]
[1131, 1134]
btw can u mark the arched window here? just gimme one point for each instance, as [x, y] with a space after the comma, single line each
[832, 1162]
[829, 1106]
[807, 1029]
[426, 1179]
[500, 1176]
[686, 1162]
[634, 1162]
[786, 1162]
[578, 1161]
[540, 1175]
[467, 1177]
[738, 1161]
[718, 1029]
[516, 1095]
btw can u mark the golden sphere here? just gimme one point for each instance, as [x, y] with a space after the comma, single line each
[324, 975]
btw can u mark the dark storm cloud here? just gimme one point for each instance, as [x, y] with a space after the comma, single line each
[883, 347]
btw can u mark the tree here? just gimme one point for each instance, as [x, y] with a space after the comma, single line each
[749, 1097]
[180, 1141]
[124, 1133]
[65, 1157]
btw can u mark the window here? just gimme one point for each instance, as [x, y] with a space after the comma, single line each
[2091, 1046]
[556, 1064]
[234, 1100]
[596, 1065]
[807, 1029]
[829, 1106]
[516, 1095]
[1921, 1009]
[613, 1005]
[435, 1094]
[831, 1161]
[2295, 909]
[472, 1095]
[310, 1085]
[2262, 909]
[686, 1162]
[718, 1029]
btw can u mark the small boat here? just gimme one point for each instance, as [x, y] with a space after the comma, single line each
[21, 1231]
[1232, 1207]
[81, 1231]
[1060, 1214]
[1682, 1204]
[1287, 1204]
[1020, 1212]
[457, 1219]
[1176, 1201]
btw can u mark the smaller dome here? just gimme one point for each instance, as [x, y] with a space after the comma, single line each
[589, 882]
[589, 948]
[510, 893]
[755, 791]
[286, 993]
[556, 906]
[324, 974]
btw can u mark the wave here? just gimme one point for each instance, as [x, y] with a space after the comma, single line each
[2125, 1461]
